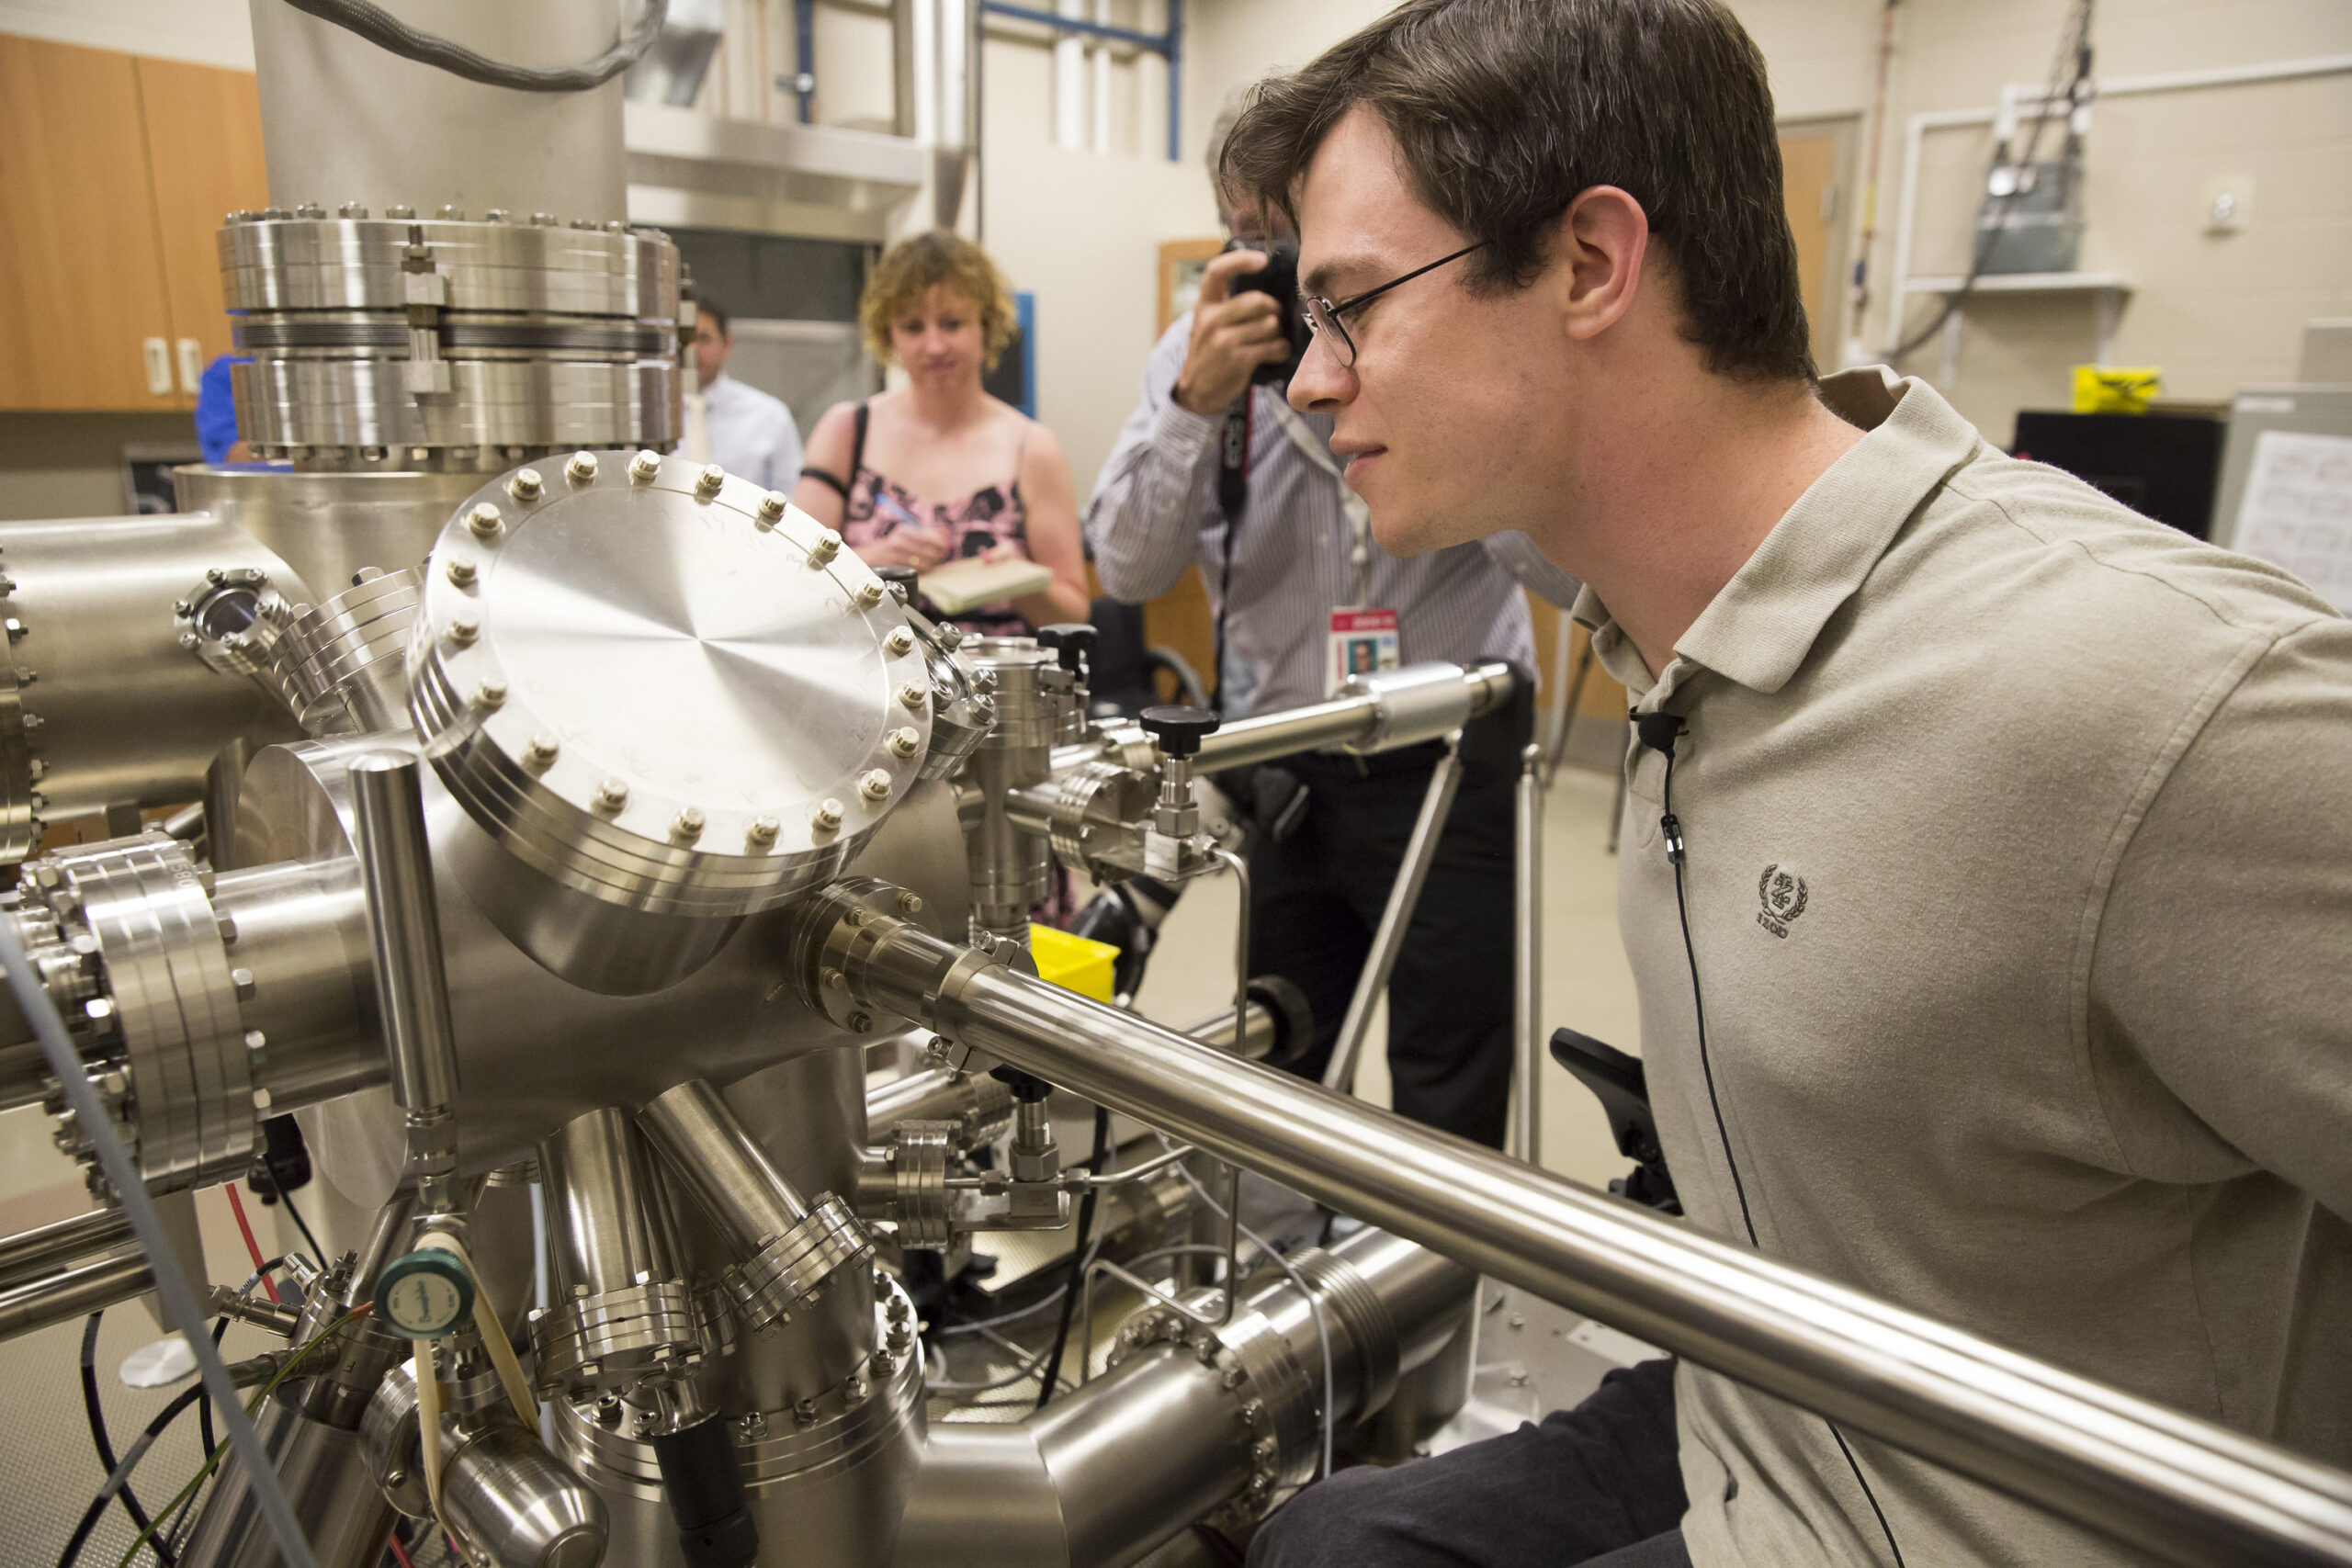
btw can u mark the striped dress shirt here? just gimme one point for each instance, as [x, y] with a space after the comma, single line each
[1154, 512]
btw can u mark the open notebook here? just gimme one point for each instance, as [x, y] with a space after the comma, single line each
[965, 584]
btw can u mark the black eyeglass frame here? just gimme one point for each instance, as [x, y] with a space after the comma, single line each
[1322, 315]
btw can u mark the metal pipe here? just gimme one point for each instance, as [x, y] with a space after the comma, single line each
[1527, 964]
[1389, 939]
[2184, 1489]
[724, 1166]
[599, 1190]
[29, 1255]
[412, 989]
[76, 1292]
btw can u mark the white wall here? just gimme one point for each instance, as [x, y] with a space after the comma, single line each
[207, 32]
[2214, 311]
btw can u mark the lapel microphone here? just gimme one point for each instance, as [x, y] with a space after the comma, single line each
[1660, 731]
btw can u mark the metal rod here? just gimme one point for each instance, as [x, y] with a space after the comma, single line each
[29, 1255]
[1389, 939]
[76, 1292]
[180, 1303]
[1241, 869]
[2184, 1489]
[412, 989]
[1158, 43]
[723, 1165]
[1527, 964]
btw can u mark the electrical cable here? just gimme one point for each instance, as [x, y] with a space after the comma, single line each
[99, 1438]
[118, 1481]
[2075, 41]
[388, 32]
[398, 1552]
[245, 1229]
[318, 1253]
[1658, 737]
[1078, 1257]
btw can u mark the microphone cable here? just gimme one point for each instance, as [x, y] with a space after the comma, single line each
[1659, 732]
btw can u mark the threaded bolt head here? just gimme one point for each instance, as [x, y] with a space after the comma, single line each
[542, 749]
[709, 482]
[865, 595]
[913, 695]
[909, 903]
[689, 824]
[899, 643]
[612, 794]
[490, 693]
[526, 485]
[903, 742]
[827, 546]
[644, 466]
[762, 831]
[462, 573]
[770, 509]
[874, 785]
[464, 630]
[826, 817]
[582, 469]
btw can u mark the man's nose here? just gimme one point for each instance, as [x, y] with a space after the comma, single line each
[1321, 383]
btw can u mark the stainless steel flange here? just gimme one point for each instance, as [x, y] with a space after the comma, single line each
[344, 661]
[794, 1266]
[663, 688]
[163, 1011]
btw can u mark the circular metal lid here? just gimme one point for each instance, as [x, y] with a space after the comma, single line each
[662, 686]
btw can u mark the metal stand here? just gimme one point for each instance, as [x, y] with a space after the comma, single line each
[1526, 960]
[1390, 938]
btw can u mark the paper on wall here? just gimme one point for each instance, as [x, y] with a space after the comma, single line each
[2297, 510]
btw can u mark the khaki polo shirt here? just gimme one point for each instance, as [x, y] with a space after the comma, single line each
[2020, 876]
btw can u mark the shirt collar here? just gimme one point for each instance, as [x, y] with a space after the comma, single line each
[1757, 630]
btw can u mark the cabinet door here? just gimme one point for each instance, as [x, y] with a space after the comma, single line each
[83, 321]
[204, 147]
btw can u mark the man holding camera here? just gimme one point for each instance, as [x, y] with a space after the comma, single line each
[1215, 466]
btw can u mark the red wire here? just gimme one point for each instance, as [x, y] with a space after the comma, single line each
[237, 1207]
[394, 1542]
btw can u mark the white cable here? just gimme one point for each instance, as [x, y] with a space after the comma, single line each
[1314, 1304]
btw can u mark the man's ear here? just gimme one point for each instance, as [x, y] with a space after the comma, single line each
[1598, 248]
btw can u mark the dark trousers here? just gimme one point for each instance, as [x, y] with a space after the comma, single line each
[1596, 1485]
[1315, 900]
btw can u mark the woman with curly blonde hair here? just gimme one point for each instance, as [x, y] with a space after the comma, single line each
[938, 469]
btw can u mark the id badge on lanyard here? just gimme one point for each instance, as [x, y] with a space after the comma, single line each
[1362, 641]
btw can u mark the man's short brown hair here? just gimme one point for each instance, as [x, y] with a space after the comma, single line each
[1505, 109]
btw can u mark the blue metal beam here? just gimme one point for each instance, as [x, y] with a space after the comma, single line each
[1169, 45]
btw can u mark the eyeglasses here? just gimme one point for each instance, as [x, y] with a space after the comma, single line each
[1324, 317]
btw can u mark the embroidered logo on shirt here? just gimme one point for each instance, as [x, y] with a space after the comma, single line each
[1783, 894]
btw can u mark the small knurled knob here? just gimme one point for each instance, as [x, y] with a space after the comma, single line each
[1072, 642]
[1178, 728]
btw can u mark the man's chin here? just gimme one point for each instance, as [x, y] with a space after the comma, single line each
[1405, 533]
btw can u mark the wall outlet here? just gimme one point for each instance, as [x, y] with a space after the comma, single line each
[2229, 203]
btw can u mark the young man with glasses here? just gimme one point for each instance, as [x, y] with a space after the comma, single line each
[1988, 856]
[1214, 467]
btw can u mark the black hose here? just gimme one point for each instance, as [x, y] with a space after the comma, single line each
[387, 32]
[98, 1437]
[119, 1479]
[1077, 1258]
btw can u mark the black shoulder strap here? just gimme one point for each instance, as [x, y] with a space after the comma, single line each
[857, 444]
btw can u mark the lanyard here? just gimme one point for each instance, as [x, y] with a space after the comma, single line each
[1351, 505]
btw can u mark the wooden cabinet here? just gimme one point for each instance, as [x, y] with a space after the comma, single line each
[114, 173]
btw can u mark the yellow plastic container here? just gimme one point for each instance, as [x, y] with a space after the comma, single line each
[1074, 962]
[2116, 389]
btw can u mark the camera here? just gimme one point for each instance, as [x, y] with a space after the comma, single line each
[1280, 278]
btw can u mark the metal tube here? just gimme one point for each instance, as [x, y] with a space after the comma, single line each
[29, 1256]
[2185, 1489]
[601, 1192]
[405, 932]
[1527, 960]
[74, 1293]
[724, 1166]
[1389, 939]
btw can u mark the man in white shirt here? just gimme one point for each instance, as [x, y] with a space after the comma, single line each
[742, 429]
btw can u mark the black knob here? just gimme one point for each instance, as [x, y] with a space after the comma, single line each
[1025, 1087]
[1073, 641]
[1178, 728]
[901, 580]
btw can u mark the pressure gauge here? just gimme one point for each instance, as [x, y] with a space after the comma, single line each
[424, 1294]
